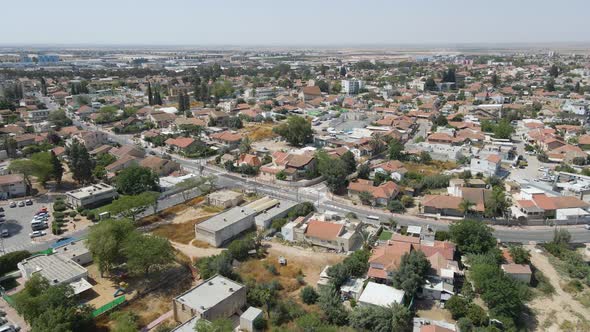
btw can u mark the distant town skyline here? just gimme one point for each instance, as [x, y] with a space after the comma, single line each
[306, 22]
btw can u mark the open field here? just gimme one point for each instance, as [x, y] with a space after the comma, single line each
[433, 168]
[258, 131]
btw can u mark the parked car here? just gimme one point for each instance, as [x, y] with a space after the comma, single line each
[29, 202]
[21, 203]
[1, 209]
[587, 226]
[4, 233]
[12, 204]
[35, 234]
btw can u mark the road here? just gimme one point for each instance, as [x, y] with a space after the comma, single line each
[323, 201]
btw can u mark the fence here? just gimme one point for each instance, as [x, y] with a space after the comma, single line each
[109, 306]
[8, 299]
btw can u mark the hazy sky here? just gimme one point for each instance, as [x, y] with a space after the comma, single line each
[307, 22]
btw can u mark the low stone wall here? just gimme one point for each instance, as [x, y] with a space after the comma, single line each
[300, 184]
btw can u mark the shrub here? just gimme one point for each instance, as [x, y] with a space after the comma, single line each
[59, 207]
[309, 295]
[272, 269]
[73, 214]
[59, 215]
[8, 262]
[91, 215]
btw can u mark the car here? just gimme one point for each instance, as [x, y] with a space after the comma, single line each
[21, 203]
[42, 210]
[29, 202]
[1, 209]
[63, 239]
[4, 233]
[12, 204]
[587, 226]
[35, 234]
[2, 219]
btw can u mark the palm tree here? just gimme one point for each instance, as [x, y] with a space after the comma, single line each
[465, 207]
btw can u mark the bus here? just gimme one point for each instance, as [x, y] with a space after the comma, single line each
[373, 218]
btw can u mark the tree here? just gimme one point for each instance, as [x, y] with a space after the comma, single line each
[402, 318]
[472, 236]
[124, 321]
[106, 241]
[364, 171]
[554, 70]
[430, 85]
[150, 95]
[309, 295]
[550, 85]
[131, 206]
[329, 301]
[296, 130]
[457, 306]
[9, 261]
[425, 157]
[245, 145]
[49, 307]
[411, 275]
[366, 197]
[144, 252]
[136, 179]
[59, 119]
[334, 170]
[503, 129]
[57, 168]
[561, 237]
[218, 325]
[396, 150]
[495, 80]
[80, 163]
[348, 158]
[465, 206]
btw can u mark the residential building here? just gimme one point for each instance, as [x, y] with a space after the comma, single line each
[75, 251]
[351, 87]
[215, 298]
[12, 185]
[381, 295]
[248, 318]
[160, 166]
[91, 196]
[520, 272]
[488, 166]
[379, 195]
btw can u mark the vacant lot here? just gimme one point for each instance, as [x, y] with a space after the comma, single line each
[258, 131]
[433, 168]
[311, 262]
[560, 311]
[179, 232]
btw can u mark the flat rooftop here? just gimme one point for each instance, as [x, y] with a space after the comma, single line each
[71, 249]
[209, 293]
[53, 267]
[381, 295]
[95, 189]
[225, 219]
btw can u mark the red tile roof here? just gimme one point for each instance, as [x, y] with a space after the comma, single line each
[323, 230]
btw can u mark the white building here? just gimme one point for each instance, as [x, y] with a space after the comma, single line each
[57, 270]
[75, 251]
[488, 166]
[12, 185]
[381, 295]
[91, 196]
[352, 87]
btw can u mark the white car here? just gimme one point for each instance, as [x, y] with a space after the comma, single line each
[35, 234]
[587, 226]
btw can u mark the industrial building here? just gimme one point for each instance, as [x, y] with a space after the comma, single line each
[217, 297]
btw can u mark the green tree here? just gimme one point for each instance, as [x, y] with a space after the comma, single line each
[130, 206]
[430, 85]
[124, 321]
[245, 145]
[80, 163]
[411, 275]
[57, 168]
[396, 150]
[472, 236]
[329, 301]
[136, 179]
[465, 206]
[348, 158]
[503, 129]
[520, 255]
[59, 119]
[144, 252]
[364, 171]
[106, 241]
[309, 295]
[296, 130]
[334, 171]
[366, 197]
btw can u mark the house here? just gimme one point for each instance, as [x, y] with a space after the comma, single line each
[91, 196]
[293, 165]
[215, 298]
[91, 139]
[339, 236]
[127, 150]
[227, 138]
[57, 269]
[310, 92]
[381, 295]
[225, 198]
[380, 195]
[161, 119]
[488, 166]
[248, 159]
[160, 166]
[521, 272]
[442, 205]
[541, 206]
[180, 143]
[121, 163]
[12, 185]
[394, 167]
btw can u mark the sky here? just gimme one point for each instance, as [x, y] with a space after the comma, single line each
[301, 22]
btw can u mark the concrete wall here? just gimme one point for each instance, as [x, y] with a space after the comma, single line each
[222, 236]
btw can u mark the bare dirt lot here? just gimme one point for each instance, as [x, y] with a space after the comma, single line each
[560, 312]
[311, 262]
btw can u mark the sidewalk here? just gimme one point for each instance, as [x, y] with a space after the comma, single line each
[13, 316]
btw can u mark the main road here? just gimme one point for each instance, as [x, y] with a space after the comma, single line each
[323, 201]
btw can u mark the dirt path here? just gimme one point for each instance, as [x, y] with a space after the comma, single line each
[195, 252]
[552, 311]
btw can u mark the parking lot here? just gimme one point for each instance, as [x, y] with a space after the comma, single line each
[18, 224]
